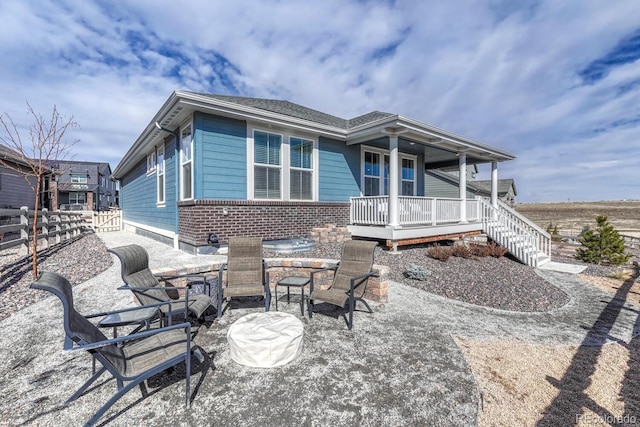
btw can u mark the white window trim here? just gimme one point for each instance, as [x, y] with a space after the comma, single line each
[183, 126]
[383, 152]
[151, 162]
[313, 170]
[161, 174]
[285, 163]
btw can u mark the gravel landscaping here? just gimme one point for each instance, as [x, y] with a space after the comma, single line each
[500, 283]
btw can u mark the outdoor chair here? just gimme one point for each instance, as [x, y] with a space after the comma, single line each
[246, 272]
[132, 358]
[138, 278]
[350, 279]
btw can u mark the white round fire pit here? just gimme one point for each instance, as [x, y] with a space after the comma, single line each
[265, 340]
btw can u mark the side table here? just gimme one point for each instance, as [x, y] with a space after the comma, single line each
[296, 282]
[141, 316]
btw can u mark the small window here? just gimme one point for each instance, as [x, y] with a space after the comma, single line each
[78, 178]
[151, 162]
[160, 174]
[186, 163]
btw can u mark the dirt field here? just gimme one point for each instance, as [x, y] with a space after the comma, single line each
[624, 216]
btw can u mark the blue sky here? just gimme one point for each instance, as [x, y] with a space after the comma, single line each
[555, 82]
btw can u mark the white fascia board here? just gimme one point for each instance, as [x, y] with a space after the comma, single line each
[465, 143]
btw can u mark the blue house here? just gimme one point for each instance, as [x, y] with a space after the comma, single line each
[232, 166]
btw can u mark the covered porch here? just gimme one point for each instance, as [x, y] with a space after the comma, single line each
[417, 218]
[396, 203]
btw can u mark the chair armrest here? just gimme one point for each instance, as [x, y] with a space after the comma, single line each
[360, 277]
[320, 270]
[125, 338]
[124, 310]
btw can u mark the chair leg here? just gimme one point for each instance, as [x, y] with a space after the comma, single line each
[351, 306]
[220, 297]
[310, 308]
[86, 385]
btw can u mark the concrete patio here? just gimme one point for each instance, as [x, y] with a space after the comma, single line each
[399, 366]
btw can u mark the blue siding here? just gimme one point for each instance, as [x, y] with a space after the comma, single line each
[339, 171]
[220, 153]
[138, 194]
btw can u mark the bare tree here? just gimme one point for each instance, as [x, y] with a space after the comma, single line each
[45, 146]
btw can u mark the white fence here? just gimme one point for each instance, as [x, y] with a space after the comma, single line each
[107, 220]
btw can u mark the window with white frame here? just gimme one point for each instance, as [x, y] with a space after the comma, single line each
[186, 163]
[160, 173]
[408, 177]
[267, 165]
[301, 169]
[151, 162]
[79, 178]
[376, 173]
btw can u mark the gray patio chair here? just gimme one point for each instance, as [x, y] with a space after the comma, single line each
[138, 278]
[350, 279]
[246, 274]
[132, 358]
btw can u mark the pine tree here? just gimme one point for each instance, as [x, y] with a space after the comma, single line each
[602, 245]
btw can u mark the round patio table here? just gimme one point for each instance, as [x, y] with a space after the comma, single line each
[265, 340]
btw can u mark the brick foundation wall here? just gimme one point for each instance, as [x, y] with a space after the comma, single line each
[270, 220]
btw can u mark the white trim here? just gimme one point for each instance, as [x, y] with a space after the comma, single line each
[161, 174]
[285, 162]
[156, 230]
[184, 125]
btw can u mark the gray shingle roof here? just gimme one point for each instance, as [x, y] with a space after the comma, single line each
[503, 185]
[298, 111]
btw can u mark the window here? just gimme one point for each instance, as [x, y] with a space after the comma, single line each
[78, 178]
[371, 174]
[301, 169]
[408, 177]
[151, 162]
[267, 165]
[77, 198]
[186, 163]
[160, 174]
[376, 174]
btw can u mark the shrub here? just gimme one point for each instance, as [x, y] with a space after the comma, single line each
[602, 245]
[417, 272]
[491, 249]
[461, 251]
[479, 250]
[496, 250]
[441, 253]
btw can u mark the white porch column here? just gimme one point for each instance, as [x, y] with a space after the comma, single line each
[462, 162]
[393, 181]
[494, 184]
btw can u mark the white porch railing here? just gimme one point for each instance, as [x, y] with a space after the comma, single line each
[373, 210]
[525, 240]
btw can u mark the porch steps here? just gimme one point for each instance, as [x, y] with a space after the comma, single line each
[524, 240]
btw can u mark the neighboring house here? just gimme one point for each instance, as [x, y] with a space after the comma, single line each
[440, 183]
[81, 186]
[258, 167]
[15, 191]
[506, 190]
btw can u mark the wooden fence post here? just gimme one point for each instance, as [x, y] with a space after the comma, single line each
[58, 227]
[45, 227]
[24, 221]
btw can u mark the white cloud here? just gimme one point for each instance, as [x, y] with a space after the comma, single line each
[506, 73]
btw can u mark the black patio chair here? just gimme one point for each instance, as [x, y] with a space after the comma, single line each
[139, 279]
[350, 278]
[131, 358]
